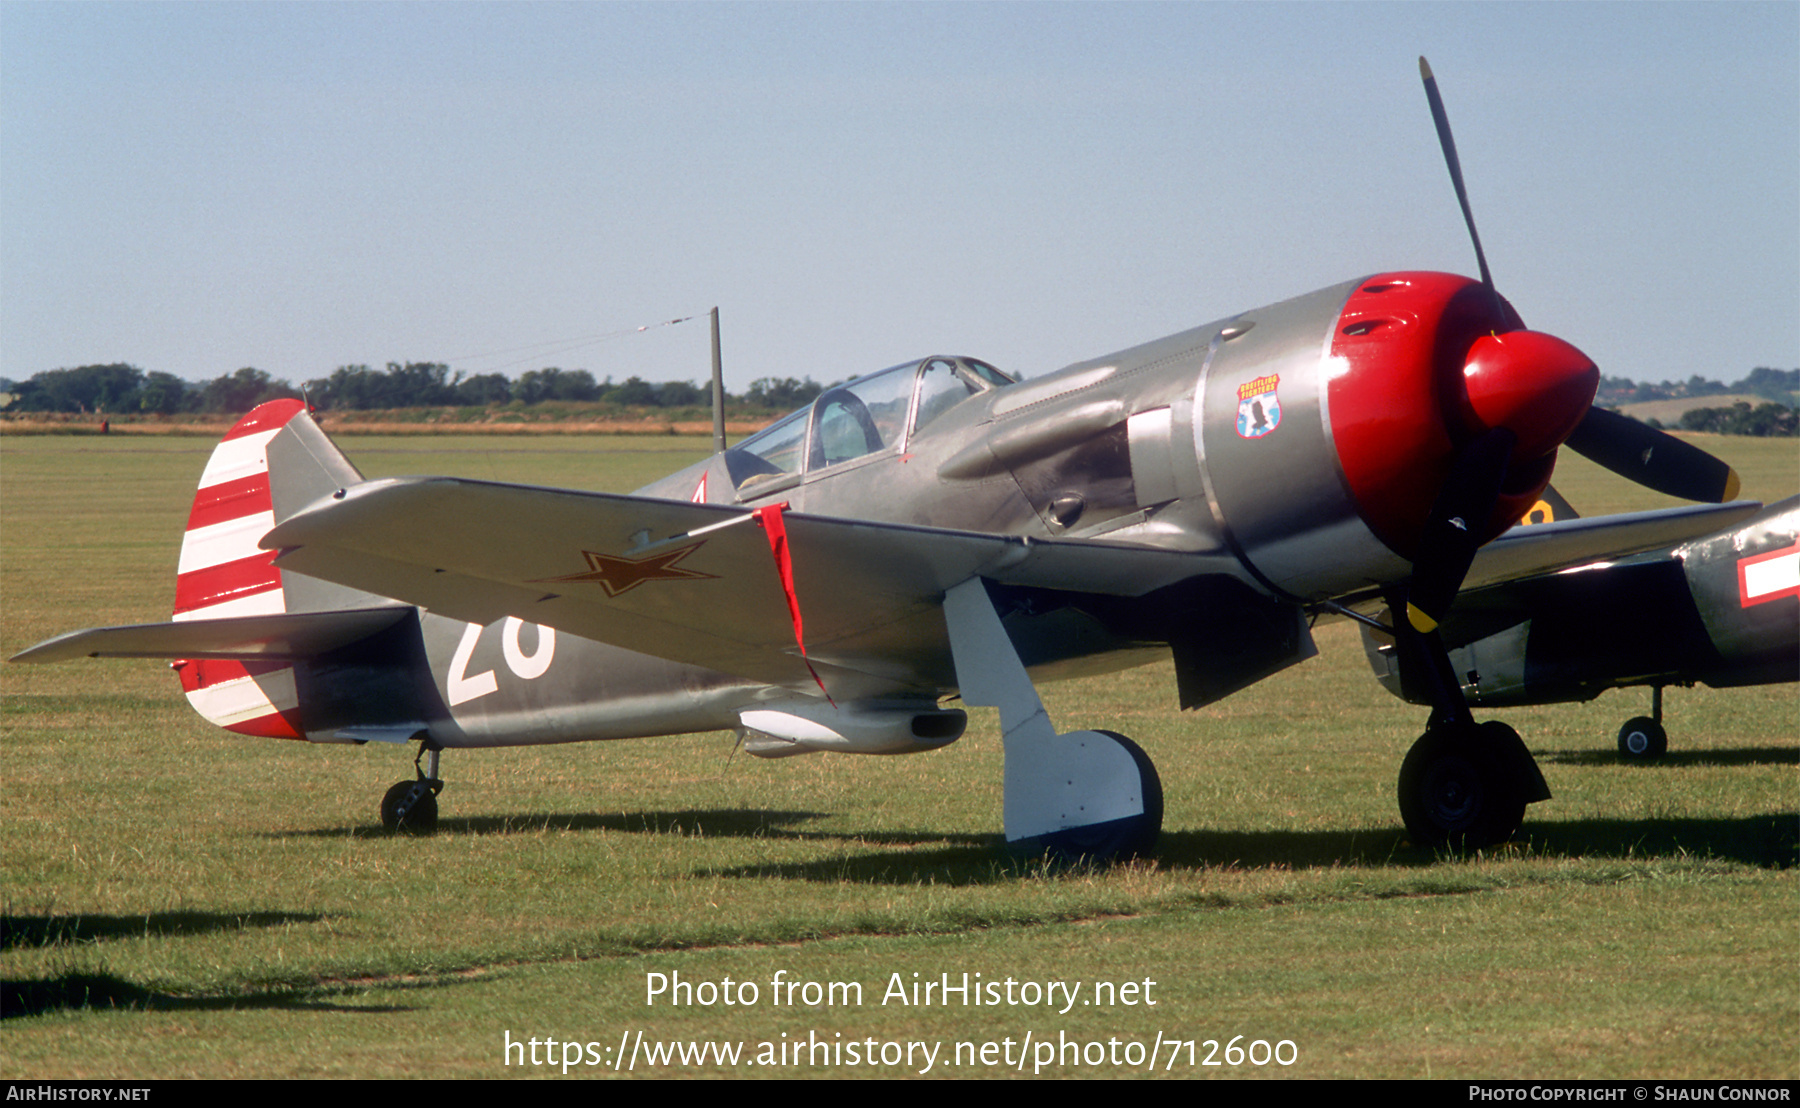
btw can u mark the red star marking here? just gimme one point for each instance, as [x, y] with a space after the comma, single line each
[620, 575]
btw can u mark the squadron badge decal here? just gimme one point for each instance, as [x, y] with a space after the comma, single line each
[1259, 409]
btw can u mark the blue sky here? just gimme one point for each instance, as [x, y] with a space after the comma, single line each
[198, 187]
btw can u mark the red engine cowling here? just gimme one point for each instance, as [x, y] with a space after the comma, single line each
[1429, 361]
[1382, 382]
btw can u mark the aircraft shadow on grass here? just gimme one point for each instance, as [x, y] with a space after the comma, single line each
[745, 823]
[1741, 756]
[49, 930]
[25, 997]
[973, 858]
[99, 991]
[1771, 841]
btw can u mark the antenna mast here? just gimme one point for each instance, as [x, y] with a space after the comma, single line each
[718, 389]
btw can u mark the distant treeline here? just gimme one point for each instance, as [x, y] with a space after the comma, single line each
[1775, 419]
[1769, 420]
[1780, 385]
[121, 389]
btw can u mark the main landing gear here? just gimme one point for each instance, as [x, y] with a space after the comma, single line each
[1643, 739]
[1464, 785]
[410, 807]
[1084, 795]
[1130, 836]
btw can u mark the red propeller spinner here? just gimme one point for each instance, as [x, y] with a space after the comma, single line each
[1425, 364]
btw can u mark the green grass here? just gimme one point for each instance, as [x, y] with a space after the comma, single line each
[180, 901]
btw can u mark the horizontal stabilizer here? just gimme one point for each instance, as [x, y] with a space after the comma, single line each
[293, 635]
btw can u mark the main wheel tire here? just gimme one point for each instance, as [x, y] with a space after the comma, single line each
[1116, 840]
[410, 808]
[1642, 739]
[1459, 791]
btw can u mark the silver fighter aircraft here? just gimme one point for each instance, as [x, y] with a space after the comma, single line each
[1722, 609]
[935, 532]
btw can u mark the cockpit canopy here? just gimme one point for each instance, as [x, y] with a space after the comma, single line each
[881, 412]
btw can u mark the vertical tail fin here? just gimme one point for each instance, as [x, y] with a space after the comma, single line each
[222, 572]
[271, 463]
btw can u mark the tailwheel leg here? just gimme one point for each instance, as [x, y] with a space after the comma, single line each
[1085, 795]
[1643, 739]
[410, 807]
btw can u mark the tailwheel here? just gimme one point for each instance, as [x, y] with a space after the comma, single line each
[1465, 787]
[1114, 840]
[410, 807]
[1642, 739]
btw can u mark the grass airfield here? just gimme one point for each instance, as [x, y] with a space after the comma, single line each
[183, 902]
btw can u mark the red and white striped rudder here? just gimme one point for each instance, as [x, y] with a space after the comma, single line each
[223, 574]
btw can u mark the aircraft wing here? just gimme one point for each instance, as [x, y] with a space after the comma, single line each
[1538, 548]
[694, 583]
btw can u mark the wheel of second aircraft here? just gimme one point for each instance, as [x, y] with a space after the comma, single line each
[1116, 840]
[420, 815]
[1459, 791]
[1642, 739]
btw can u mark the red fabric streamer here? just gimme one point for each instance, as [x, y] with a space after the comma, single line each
[769, 519]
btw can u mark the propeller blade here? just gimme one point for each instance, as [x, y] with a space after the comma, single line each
[1448, 142]
[1643, 454]
[1453, 530]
